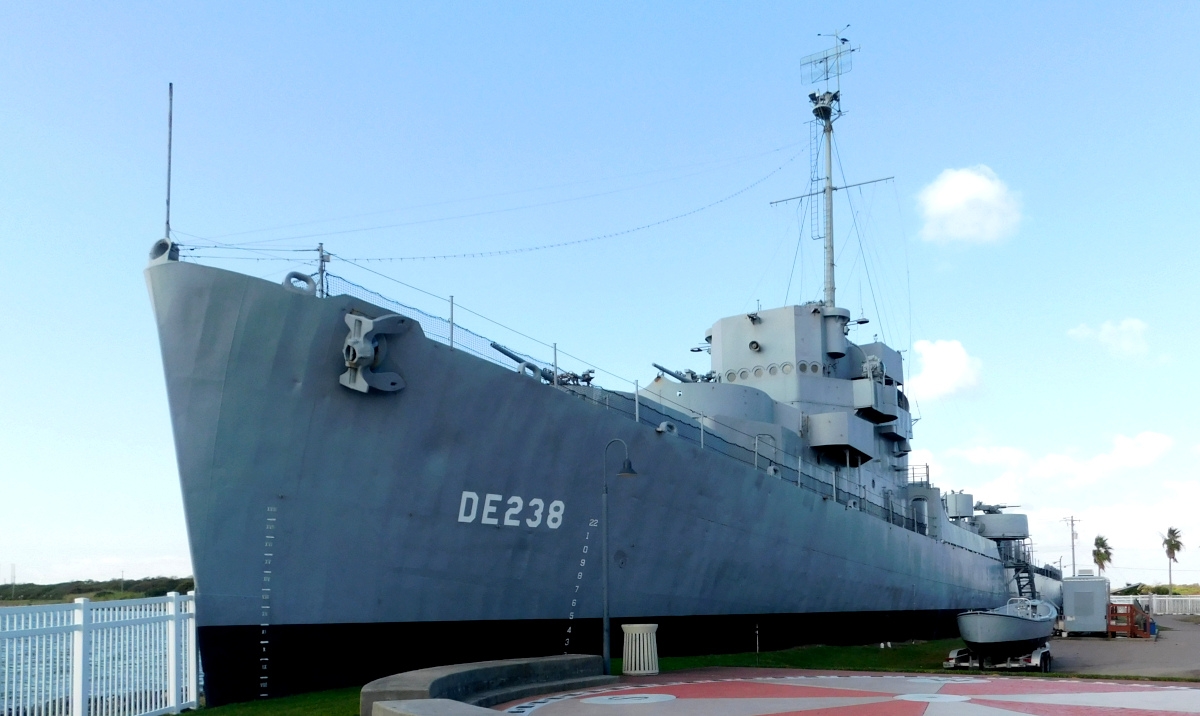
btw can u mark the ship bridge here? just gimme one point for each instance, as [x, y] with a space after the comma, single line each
[793, 367]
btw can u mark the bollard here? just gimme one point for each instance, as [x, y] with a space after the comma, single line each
[640, 656]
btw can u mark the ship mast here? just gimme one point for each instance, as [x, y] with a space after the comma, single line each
[827, 67]
[823, 109]
[823, 67]
[170, 122]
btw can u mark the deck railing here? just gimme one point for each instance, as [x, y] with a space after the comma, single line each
[131, 657]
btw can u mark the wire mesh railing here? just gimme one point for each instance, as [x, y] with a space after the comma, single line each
[700, 431]
[133, 657]
[435, 327]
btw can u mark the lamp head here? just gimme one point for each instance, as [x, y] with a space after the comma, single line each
[627, 469]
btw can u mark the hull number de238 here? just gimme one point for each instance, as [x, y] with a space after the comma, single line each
[493, 509]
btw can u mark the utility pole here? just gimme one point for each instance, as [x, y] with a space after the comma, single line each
[1074, 536]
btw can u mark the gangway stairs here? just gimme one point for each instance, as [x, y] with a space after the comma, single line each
[1023, 575]
[1015, 554]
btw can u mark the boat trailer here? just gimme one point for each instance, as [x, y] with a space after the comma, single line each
[1037, 660]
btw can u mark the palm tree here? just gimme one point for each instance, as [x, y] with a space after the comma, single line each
[1173, 544]
[1101, 553]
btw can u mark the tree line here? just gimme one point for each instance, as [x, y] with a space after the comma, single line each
[108, 589]
[1172, 543]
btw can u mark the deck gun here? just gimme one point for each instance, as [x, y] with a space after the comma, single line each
[523, 364]
[682, 378]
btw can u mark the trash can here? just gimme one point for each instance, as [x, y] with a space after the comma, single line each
[641, 650]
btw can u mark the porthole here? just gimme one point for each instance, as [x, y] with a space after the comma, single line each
[815, 368]
[744, 374]
[758, 372]
[772, 369]
[803, 367]
[731, 376]
[786, 368]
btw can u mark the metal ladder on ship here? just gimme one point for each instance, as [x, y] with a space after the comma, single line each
[1016, 558]
[1023, 575]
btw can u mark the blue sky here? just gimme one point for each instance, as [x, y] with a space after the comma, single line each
[1035, 253]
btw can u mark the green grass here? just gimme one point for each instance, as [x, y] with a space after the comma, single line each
[919, 656]
[339, 702]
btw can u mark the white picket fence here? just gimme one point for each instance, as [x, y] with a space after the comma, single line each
[131, 657]
[1162, 604]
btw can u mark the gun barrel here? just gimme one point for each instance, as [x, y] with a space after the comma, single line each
[676, 375]
[508, 353]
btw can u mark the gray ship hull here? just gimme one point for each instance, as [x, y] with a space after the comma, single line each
[327, 524]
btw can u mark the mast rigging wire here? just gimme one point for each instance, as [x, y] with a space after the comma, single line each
[590, 239]
[796, 256]
[866, 267]
[459, 306]
[722, 162]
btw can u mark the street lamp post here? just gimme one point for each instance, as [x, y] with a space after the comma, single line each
[626, 471]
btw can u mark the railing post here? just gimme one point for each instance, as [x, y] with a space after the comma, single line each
[173, 652]
[637, 407]
[81, 653]
[193, 668]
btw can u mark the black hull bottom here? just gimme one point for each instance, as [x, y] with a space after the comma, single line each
[1005, 649]
[313, 657]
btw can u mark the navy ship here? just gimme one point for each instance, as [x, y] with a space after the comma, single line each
[370, 489]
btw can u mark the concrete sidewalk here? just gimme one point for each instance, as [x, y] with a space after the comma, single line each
[763, 692]
[1176, 653]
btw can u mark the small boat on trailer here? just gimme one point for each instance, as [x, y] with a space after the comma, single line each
[1016, 634]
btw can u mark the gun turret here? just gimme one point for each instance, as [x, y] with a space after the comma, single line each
[677, 376]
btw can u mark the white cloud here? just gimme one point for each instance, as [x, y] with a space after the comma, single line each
[1141, 450]
[923, 457]
[1126, 339]
[992, 455]
[1130, 492]
[945, 367]
[970, 205]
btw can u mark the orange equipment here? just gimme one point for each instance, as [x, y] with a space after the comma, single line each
[1128, 620]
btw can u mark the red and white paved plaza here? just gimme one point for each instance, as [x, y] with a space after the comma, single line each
[760, 692]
